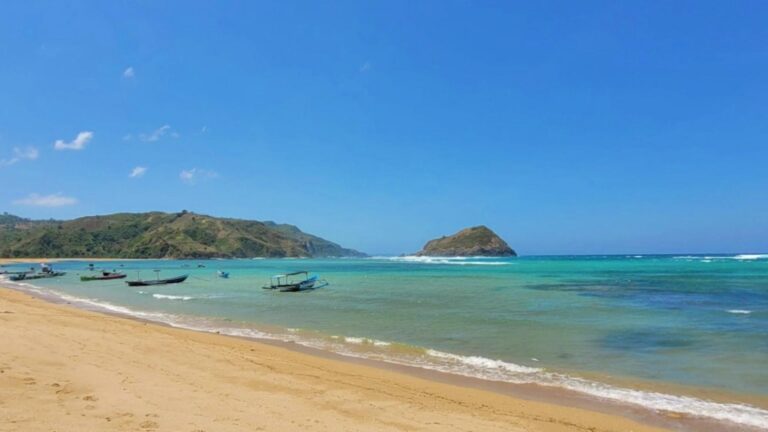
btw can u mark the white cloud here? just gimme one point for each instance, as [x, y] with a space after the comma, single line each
[365, 67]
[129, 73]
[20, 154]
[77, 144]
[127, 137]
[158, 133]
[137, 172]
[53, 200]
[192, 176]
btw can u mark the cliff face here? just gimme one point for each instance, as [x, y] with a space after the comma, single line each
[160, 235]
[475, 241]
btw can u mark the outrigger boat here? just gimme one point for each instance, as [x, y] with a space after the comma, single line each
[16, 272]
[285, 282]
[158, 281]
[104, 276]
[31, 276]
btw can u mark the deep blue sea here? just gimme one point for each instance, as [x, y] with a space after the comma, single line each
[583, 323]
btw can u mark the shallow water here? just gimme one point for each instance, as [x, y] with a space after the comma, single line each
[692, 320]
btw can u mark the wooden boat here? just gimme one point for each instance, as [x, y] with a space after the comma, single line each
[4, 272]
[32, 276]
[104, 276]
[285, 282]
[175, 280]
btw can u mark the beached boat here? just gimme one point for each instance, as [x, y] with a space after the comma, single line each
[103, 276]
[32, 276]
[174, 280]
[5, 272]
[287, 282]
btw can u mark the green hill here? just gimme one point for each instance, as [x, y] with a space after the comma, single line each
[159, 235]
[474, 241]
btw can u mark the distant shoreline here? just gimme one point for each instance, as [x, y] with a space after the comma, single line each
[10, 261]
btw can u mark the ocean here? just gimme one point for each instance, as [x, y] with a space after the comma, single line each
[657, 332]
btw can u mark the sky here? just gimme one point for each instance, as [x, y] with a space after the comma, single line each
[566, 127]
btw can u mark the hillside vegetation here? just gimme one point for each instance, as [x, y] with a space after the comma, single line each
[159, 235]
[474, 241]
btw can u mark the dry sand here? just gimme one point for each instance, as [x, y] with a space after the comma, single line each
[64, 369]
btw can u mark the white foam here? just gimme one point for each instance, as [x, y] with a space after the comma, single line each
[447, 260]
[739, 311]
[497, 370]
[736, 413]
[106, 306]
[171, 297]
[750, 257]
[483, 363]
[365, 341]
[740, 257]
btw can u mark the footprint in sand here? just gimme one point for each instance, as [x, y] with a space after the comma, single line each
[64, 391]
[149, 425]
[29, 381]
[91, 398]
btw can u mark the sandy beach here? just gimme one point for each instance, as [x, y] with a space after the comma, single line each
[66, 369]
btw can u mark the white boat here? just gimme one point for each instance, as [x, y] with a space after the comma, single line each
[288, 283]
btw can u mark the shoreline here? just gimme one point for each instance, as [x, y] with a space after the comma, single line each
[98, 363]
[12, 261]
[521, 393]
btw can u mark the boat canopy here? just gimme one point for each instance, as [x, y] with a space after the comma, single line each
[290, 274]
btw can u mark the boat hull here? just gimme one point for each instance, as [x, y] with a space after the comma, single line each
[96, 278]
[300, 286]
[21, 277]
[175, 280]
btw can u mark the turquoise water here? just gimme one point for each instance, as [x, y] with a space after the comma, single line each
[693, 320]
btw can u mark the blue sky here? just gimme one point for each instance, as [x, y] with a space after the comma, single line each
[567, 127]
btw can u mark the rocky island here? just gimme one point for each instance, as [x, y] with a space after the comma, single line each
[475, 241]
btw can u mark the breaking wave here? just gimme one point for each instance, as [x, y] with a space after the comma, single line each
[172, 297]
[709, 258]
[447, 260]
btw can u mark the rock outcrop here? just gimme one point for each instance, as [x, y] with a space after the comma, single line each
[475, 241]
